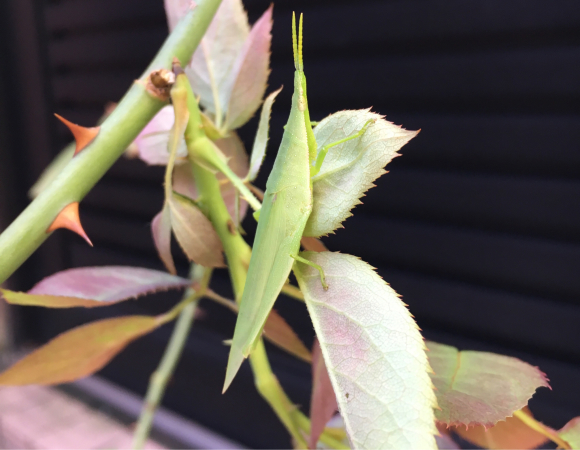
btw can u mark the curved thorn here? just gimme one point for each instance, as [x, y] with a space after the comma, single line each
[83, 135]
[68, 218]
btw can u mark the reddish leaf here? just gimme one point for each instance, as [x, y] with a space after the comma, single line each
[323, 403]
[195, 233]
[153, 141]
[509, 434]
[277, 331]
[161, 230]
[250, 73]
[79, 352]
[94, 286]
[480, 388]
[444, 440]
[571, 433]
[175, 10]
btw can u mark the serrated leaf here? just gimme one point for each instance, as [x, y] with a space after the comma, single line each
[480, 388]
[153, 141]
[79, 352]
[373, 351]
[175, 10]
[571, 433]
[195, 233]
[277, 331]
[262, 136]
[323, 402]
[52, 170]
[250, 74]
[94, 286]
[350, 169]
[213, 62]
[509, 434]
[161, 231]
[233, 148]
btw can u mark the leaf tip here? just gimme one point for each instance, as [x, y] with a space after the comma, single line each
[83, 135]
[68, 218]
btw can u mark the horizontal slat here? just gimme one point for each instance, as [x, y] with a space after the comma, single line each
[525, 205]
[525, 265]
[85, 15]
[503, 81]
[106, 49]
[92, 88]
[545, 145]
[409, 26]
[536, 324]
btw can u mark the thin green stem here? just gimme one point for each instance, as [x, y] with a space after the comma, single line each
[158, 383]
[238, 255]
[542, 429]
[133, 112]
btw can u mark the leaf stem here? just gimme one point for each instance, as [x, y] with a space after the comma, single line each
[134, 111]
[542, 429]
[158, 383]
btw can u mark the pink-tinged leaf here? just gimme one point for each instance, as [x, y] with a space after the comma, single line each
[214, 59]
[480, 388]
[153, 141]
[175, 10]
[95, 286]
[373, 351]
[444, 440]
[323, 403]
[79, 352]
[571, 433]
[161, 230]
[250, 73]
[195, 233]
[509, 434]
[261, 139]
[233, 148]
[277, 331]
[350, 168]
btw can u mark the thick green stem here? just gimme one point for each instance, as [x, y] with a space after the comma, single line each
[134, 111]
[159, 379]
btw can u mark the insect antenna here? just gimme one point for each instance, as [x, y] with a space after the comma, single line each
[297, 42]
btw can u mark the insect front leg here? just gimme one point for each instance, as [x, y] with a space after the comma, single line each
[324, 150]
[316, 266]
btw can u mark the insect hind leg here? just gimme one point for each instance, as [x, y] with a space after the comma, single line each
[316, 266]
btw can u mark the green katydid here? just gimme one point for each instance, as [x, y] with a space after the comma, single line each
[285, 211]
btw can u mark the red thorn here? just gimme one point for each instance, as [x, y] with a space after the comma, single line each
[69, 218]
[83, 135]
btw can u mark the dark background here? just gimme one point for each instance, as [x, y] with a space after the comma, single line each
[477, 225]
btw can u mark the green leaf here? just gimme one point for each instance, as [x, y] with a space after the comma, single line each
[350, 169]
[79, 352]
[250, 75]
[262, 136]
[195, 233]
[571, 433]
[374, 353]
[214, 60]
[480, 388]
[94, 286]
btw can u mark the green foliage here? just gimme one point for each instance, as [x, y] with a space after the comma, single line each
[371, 362]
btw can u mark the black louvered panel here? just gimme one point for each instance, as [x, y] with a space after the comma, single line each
[476, 225]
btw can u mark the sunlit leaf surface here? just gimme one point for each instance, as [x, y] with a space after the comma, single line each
[350, 168]
[373, 351]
